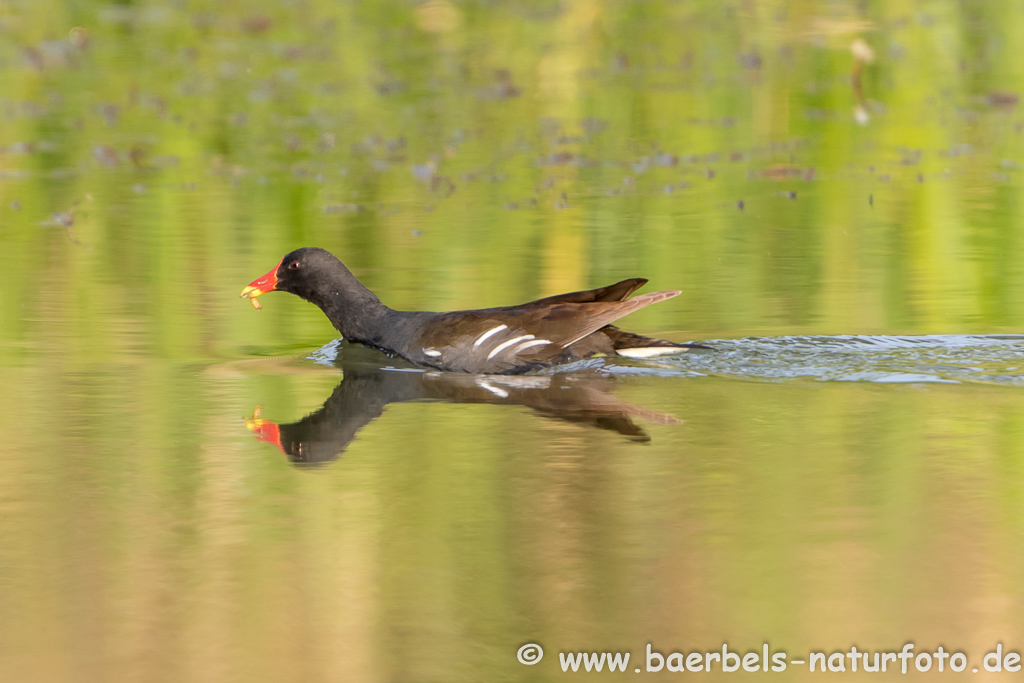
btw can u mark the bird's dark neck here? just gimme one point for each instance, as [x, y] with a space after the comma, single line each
[355, 311]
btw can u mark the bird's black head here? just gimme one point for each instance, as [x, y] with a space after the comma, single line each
[314, 274]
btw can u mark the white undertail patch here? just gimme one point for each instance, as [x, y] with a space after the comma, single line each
[504, 345]
[650, 351]
[433, 353]
[483, 337]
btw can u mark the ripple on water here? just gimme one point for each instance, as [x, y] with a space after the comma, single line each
[882, 359]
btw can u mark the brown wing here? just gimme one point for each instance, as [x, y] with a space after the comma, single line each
[616, 292]
[566, 324]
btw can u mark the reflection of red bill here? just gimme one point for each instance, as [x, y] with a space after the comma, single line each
[260, 286]
[265, 430]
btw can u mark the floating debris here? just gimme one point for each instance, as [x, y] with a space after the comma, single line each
[502, 89]
[666, 160]
[343, 208]
[327, 142]
[442, 186]
[780, 172]
[424, 172]
[592, 126]
[79, 37]
[560, 158]
[642, 165]
[137, 155]
[1003, 99]
[751, 60]
[256, 24]
[438, 16]
[66, 219]
[106, 155]
[911, 157]
[390, 87]
[110, 113]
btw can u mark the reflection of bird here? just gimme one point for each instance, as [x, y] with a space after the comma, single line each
[507, 340]
[366, 389]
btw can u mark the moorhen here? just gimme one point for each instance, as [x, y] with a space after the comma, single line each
[505, 340]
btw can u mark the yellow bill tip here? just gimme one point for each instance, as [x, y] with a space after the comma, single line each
[251, 293]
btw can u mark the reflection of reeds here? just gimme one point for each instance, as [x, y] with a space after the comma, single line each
[862, 54]
[239, 167]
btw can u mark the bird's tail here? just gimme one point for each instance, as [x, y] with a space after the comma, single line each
[632, 345]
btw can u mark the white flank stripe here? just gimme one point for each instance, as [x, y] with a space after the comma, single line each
[500, 393]
[504, 345]
[525, 345]
[431, 352]
[649, 352]
[483, 337]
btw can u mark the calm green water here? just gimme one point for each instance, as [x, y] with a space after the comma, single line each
[845, 469]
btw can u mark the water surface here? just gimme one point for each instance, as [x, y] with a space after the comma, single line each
[844, 468]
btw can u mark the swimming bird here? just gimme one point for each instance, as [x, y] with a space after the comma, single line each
[504, 340]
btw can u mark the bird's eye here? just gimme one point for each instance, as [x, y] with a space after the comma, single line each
[294, 265]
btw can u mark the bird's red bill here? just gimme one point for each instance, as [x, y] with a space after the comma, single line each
[260, 286]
